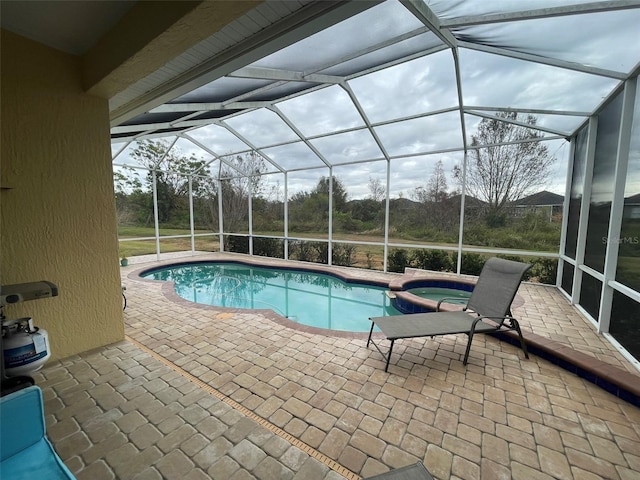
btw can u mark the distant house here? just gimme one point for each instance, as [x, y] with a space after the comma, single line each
[468, 201]
[632, 207]
[544, 201]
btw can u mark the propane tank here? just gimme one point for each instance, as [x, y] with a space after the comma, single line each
[25, 347]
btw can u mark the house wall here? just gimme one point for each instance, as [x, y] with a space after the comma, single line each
[56, 203]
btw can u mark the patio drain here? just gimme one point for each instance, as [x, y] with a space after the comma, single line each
[309, 450]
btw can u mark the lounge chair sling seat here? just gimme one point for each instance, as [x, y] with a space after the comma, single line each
[410, 472]
[488, 310]
[25, 451]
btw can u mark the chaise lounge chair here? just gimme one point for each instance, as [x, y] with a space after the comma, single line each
[488, 310]
[25, 450]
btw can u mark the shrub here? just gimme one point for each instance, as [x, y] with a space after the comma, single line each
[436, 260]
[397, 260]
[236, 244]
[370, 258]
[495, 219]
[302, 251]
[545, 270]
[472, 263]
[268, 247]
[343, 254]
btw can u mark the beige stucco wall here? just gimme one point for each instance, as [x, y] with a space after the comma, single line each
[57, 204]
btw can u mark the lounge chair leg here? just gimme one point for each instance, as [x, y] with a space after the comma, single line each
[370, 333]
[516, 326]
[386, 368]
[466, 354]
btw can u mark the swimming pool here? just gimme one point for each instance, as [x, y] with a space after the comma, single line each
[309, 298]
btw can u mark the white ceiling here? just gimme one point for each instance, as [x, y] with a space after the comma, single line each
[71, 26]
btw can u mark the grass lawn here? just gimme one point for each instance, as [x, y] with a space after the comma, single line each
[366, 256]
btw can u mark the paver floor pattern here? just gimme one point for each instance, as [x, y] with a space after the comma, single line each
[120, 413]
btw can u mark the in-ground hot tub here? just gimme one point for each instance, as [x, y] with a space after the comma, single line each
[421, 295]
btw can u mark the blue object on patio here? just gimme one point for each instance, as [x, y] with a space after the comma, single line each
[26, 453]
[416, 471]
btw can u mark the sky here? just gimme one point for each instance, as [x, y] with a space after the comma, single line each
[412, 107]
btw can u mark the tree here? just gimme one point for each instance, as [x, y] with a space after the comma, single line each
[240, 176]
[377, 192]
[134, 202]
[437, 188]
[309, 211]
[339, 192]
[128, 192]
[436, 210]
[509, 167]
[172, 179]
[172, 168]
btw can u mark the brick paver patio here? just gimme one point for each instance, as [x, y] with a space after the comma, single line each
[199, 392]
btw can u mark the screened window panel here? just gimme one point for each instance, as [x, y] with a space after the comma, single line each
[193, 157]
[222, 89]
[348, 147]
[212, 114]
[577, 38]
[419, 86]
[294, 156]
[209, 243]
[452, 10]
[396, 51]
[138, 153]
[565, 124]
[160, 117]
[123, 155]
[130, 248]
[262, 127]
[515, 208]
[590, 295]
[268, 207]
[279, 90]
[251, 164]
[603, 184]
[205, 205]
[323, 111]
[429, 209]
[173, 203]
[577, 188]
[308, 204]
[517, 133]
[133, 202]
[494, 80]
[375, 25]
[361, 216]
[567, 278]
[218, 139]
[628, 271]
[117, 147]
[625, 323]
[235, 205]
[422, 135]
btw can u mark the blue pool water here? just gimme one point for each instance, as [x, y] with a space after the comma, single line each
[308, 298]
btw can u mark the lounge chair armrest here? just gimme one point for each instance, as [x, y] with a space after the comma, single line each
[444, 300]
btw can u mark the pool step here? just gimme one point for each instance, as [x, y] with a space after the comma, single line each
[390, 294]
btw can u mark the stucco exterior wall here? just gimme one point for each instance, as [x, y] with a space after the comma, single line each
[57, 204]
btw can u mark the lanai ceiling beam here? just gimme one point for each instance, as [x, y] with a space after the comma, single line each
[539, 13]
